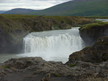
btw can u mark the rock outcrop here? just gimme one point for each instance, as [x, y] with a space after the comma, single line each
[10, 36]
[37, 69]
[92, 32]
[95, 54]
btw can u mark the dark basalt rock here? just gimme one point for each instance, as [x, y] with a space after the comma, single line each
[92, 32]
[37, 69]
[95, 54]
[10, 36]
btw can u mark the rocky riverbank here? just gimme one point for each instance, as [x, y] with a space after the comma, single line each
[89, 64]
[95, 54]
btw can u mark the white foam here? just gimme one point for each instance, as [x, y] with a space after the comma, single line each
[54, 45]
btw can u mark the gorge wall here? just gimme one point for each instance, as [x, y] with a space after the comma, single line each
[13, 28]
[91, 32]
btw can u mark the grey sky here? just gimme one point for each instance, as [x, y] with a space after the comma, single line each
[31, 4]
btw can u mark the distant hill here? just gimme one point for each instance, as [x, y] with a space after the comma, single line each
[79, 8]
[20, 11]
[2, 12]
[74, 8]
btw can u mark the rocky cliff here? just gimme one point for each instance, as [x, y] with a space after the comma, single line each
[95, 54]
[91, 32]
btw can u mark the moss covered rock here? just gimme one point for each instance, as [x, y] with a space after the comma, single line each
[91, 32]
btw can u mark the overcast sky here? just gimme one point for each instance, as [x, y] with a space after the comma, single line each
[31, 4]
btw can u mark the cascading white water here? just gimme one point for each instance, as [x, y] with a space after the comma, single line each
[54, 45]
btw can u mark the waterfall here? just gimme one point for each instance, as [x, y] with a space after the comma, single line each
[54, 45]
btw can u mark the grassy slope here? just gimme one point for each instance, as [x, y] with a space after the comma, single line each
[70, 20]
[90, 26]
[78, 8]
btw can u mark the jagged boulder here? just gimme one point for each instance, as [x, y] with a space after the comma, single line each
[37, 69]
[22, 63]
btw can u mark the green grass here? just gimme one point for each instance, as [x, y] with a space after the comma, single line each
[90, 26]
[72, 65]
[15, 16]
[57, 74]
[71, 20]
[5, 67]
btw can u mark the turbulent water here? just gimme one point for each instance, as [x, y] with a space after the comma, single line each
[54, 45]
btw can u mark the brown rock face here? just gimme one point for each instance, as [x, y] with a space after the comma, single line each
[37, 69]
[94, 54]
